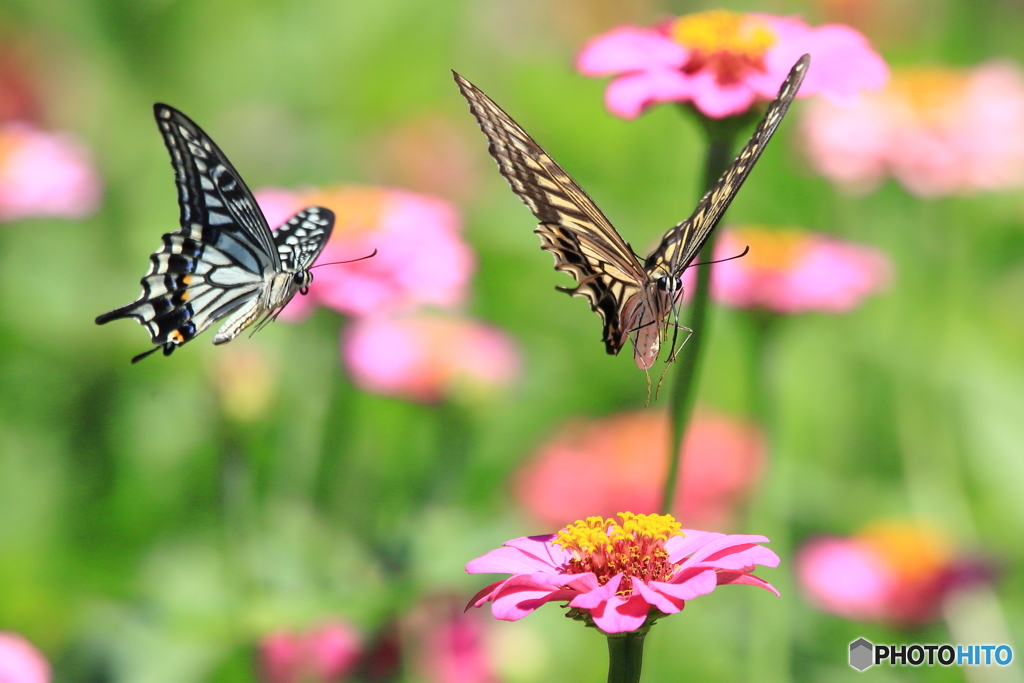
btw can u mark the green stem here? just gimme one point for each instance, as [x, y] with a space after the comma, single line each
[625, 657]
[684, 386]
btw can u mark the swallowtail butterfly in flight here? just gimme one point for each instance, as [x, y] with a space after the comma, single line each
[224, 261]
[634, 300]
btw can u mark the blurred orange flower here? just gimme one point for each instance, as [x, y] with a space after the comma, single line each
[938, 131]
[428, 356]
[618, 463]
[895, 572]
[792, 271]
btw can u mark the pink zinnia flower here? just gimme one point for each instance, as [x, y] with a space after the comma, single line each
[618, 463]
[20, 661]
[792, 271]
[44, 174]
[422, 259]
[324, 655]
[612, 574]
[891, 572]
[938, 131]
[724, 62]
[449, 643]
[428, 356]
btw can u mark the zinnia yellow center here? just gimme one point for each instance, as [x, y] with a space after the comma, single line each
[933, 95]
[8, 142]
[728, 43]
[357, 209]
[910, 550]
[770, 249]
[634, 547]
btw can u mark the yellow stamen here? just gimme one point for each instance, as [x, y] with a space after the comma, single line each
[727, 42]
[634, 548]
[932, 95]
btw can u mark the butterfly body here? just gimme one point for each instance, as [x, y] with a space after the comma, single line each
[637, 302]
[224, 262]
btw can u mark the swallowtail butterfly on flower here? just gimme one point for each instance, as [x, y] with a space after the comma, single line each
[634, 300]
[224, 261]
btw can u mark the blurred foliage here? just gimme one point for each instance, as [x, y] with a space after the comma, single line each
[146, 535]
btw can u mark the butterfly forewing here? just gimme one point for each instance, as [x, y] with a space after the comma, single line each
[223, 260]
[681, 244]
[210, 190]
[572, 228]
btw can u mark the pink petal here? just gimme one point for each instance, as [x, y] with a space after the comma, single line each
[629, 48]
[519, 556]
[842, 60]
[484, 594]
[688, 584]
[661, 600]
[627, 95]
[597, 596]
[621, 615]
[741, 578]
[718, 100]
[519, 596]
[712, 543]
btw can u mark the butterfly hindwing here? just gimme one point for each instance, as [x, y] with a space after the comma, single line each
[680, 245]
[572, 227]
[303, 236]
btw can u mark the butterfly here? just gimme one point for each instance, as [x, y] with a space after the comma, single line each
[634, 300]
[224, 261]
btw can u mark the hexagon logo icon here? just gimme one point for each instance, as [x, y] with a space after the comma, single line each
[861, 654]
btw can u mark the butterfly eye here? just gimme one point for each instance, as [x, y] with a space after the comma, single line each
[669, 284]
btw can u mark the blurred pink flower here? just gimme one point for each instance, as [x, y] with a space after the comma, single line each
[44, 174]
[20, 661]
[613, 573]
[792, 271]
[619, 462]
[324, 655]
[892, 572]
[428, 356]
[421, 258]
[938, 131]
[725, 61]
[449, 643]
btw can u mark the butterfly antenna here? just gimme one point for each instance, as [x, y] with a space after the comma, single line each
[647, 402]
[731, 258]
[336, 263]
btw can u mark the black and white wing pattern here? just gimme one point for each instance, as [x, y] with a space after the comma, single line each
[680, 245]
[633, 300]
[223, 261]
[572, 228]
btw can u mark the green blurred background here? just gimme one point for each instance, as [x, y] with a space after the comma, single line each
[148, 536]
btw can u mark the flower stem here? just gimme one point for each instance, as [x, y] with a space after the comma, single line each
[625, 657]
[721, 135]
